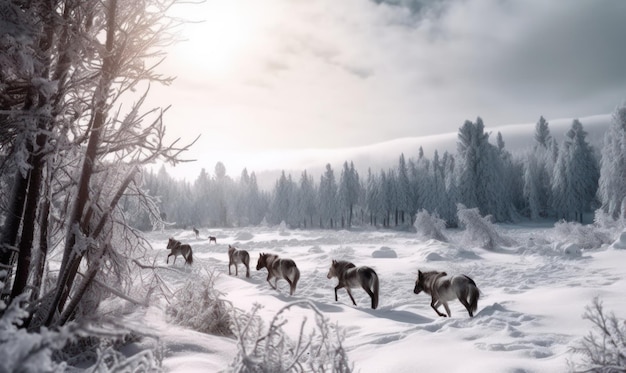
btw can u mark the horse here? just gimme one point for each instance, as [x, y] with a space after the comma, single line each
[177, 248]
[235, 257]
[212, 239]
[443, 288]
[279, 268]
[196, 232]
[351, 276]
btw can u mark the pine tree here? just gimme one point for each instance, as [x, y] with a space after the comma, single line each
[612, 180]
[328, 198]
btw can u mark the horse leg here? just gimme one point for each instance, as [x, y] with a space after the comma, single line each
[370, 293]
[236, 269]
[168, 258]
[230, 263]
[247, 269]
[435, 304]
[291, 287]
[337, 288]
[350, 294]
[269, 277]
[465, 304]
[445, 305]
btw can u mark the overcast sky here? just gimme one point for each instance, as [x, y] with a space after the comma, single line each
[294, 74]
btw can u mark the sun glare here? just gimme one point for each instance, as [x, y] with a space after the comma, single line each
[220, 37]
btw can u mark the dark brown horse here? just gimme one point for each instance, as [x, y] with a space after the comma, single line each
[443, 288]
[212, 239]
[236, 256]
[279, 268]
[177, 248]
[351, 276]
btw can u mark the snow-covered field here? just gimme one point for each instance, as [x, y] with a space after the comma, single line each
[533, 296]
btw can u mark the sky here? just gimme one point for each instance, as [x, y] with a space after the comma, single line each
[258, 79]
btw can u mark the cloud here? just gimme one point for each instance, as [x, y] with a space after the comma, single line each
[328, 73]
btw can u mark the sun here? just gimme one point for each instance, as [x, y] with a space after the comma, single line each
[219, 35]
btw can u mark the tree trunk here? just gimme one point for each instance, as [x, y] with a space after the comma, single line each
[70, 261]
[28, 226]
[11, 228]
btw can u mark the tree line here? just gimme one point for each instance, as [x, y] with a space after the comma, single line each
[551, 179]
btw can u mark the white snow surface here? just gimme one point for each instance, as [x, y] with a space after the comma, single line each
[529, 314]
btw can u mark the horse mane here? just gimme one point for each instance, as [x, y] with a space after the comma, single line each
[344, 264]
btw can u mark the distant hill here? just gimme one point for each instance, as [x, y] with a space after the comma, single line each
[517, 138]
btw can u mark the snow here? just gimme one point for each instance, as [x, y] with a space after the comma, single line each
[529, 315]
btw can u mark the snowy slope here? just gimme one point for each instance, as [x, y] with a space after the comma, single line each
[528, 318]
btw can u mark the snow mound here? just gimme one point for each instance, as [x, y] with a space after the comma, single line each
[316, 250]
[620, 244]
[433, 257]
[244, 236]
[384, 252]
[572, 250]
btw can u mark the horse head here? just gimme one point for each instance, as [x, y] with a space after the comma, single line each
[170, 243]
[262, 261]
[331, 270]
[419, 283]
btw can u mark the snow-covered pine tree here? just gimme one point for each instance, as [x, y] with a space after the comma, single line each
[612, 181]
[328, 198]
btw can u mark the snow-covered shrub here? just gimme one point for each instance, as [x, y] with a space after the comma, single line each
[604, 220]
[272, 350]
[430, 226]
[23, 351]
[342, 252]
[244, 236]
[198, 305]
[384, 252]
[480, 231]
[586, 236]
[111, 347]
[620, 243]
[604, 348]
[282, 229]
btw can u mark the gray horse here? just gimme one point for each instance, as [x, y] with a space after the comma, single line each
[443, 288]
[236, 256]
[279, 268]
[177, 248]
[351, 276]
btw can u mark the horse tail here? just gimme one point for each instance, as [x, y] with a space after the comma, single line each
[376, 288]
[190, 256]
[474, 294]
[296, 277]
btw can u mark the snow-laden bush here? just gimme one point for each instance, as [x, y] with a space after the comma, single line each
[430, 226]
[480, 231]
[620, 243]
[23, 351]
[244, 236]
[198, 305]
[604, 348]
[586, 236]
[342, 252]
[271, 350]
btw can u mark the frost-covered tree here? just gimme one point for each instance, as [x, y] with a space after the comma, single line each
[284, 205]
[307, 198]
[349, 190]
[373, 198]
[78, 147]
[481, 172]
[583, 170]
[612, 180]
[404, 190]
[328, 198]
[542, 133]
[575, 176]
